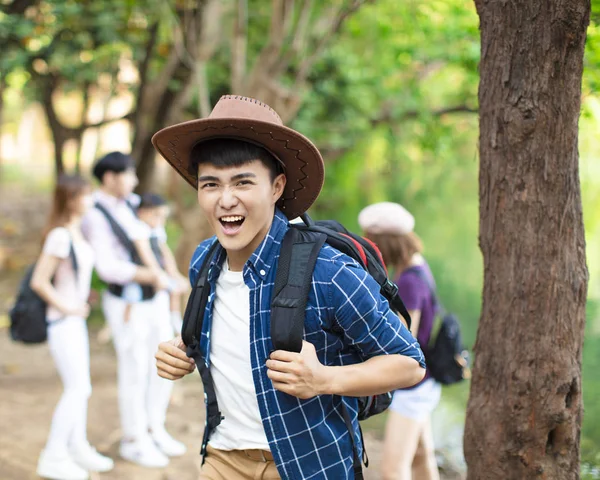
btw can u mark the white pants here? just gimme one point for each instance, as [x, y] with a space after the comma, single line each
[69, 346]
[143, 395]
[159, 390]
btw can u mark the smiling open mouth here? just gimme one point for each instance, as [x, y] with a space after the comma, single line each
[232, 223]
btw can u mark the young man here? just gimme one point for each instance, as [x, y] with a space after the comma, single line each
[128, 309]
[282, 413]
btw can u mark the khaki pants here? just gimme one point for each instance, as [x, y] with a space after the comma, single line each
[238, 464]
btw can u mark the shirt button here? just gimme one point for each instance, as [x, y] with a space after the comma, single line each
[262, 272]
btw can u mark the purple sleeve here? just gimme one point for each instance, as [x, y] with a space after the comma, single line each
[412, 291]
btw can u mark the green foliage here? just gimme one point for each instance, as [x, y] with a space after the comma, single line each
[71, 41]
[375, 105]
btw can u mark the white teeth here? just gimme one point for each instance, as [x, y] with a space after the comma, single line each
[237, 218]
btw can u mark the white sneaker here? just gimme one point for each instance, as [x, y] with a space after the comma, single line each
[167, 444]
[87, 457]
[59, 468]
[144, 453]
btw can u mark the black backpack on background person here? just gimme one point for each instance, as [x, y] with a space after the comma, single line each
[447, 359]
[28, 322]
[299, 251]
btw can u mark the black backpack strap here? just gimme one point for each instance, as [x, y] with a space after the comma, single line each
[147, 290]
[299, 251]
[132, 207]
[196, 304]
[120, 234]
[155, 247]
[73, 258]
[191, 331]
[356, 465]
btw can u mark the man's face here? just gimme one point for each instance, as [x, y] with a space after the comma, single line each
[122, 184]
[239, 204]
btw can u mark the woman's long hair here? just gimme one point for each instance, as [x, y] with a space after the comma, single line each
[397, 250]
[67, 189]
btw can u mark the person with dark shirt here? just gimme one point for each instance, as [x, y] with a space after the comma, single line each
[408, 447]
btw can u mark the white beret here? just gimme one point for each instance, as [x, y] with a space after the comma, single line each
[386, 217]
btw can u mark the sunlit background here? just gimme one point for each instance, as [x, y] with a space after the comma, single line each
[389, 95]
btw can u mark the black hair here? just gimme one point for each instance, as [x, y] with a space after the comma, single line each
[116, 162]
[226, 152]
[152, 200]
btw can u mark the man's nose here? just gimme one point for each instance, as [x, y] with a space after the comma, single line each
[228, 199]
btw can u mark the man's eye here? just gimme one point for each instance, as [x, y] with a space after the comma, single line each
[208, 185]
[245, 182]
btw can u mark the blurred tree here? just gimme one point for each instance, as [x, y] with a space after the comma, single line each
[186, 54]
[525, 409]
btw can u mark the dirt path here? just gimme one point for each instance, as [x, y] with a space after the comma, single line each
[30, 388]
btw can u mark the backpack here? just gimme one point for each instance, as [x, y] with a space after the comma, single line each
[299, 251]
[447, 359]
[28, 316]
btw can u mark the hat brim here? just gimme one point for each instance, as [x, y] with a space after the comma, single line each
[304, 168]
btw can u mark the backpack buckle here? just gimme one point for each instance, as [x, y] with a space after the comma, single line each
[389, 289]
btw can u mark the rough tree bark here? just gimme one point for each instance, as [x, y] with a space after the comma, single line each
[525, 408]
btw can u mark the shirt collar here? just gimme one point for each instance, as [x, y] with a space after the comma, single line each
[262, 258]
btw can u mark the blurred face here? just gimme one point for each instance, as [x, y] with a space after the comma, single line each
[239, 203]
[82, 203]
[154, 217]
[122, 184]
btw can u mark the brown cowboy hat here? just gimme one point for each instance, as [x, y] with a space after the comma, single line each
[250, 120]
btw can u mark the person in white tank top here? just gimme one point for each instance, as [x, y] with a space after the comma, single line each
[67, 454]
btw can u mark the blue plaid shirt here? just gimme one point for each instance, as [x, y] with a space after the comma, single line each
[308, 438]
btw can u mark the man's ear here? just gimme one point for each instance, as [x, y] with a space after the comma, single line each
[279, 186]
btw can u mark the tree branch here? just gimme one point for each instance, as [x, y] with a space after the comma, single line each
[143, 75]
[334, 27]
[18, 7]
[298, 39]
[282, 12]
[103, 122]
[387, 116]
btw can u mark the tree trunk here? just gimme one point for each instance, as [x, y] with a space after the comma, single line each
[47, 85]
[525, 408]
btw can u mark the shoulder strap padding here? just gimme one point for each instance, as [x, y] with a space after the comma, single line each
[120, 234]
[299, 251]
[196, 304]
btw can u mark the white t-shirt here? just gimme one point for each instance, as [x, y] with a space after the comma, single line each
[241, 427]
[75, 290]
